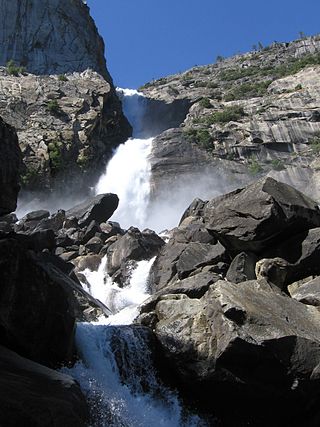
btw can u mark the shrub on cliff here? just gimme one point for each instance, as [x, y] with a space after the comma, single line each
[13, 69]
[233, 113]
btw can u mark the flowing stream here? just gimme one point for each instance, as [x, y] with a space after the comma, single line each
[116, 371]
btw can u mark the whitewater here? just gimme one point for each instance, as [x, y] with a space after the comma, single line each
[116, 370]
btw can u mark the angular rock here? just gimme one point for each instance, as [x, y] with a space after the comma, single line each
[179, 260]
[255, 217]
[33, 395]
[274, 270]
[94, 245]
[10, 165]
[242, 268]
[36, 215]
[244, 343]
[132, 246]
[83, 306]
[99, 208]
[307, 293]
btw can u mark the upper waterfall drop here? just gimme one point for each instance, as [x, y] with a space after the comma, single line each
[128, 172]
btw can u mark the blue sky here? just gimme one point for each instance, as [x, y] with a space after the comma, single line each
[148, 39]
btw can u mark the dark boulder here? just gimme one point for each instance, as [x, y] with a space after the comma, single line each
[36, 318]
[10, 165]
[132, 246]
[99, 208]
[176, 261]
[242, 268]
[36, 215]
[33, 395]
[257, 216]
[82, 305]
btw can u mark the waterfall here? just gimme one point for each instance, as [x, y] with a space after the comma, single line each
[128, 175]
[116, 368]
[128, 172]
[116, 371]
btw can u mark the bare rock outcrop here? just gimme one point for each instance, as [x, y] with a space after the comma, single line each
[251, 115]
[56, 91]
[48, 37]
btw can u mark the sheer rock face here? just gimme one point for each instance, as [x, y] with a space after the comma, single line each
[10, 163]
[277, 134]
[50, 36]
[64, 105]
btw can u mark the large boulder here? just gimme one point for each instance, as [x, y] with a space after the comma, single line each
[176, 261]
[244, 346]
[257, 216]
[36, 316]
[33, 395]
[133, 246]
[99, 208]
[10, 164]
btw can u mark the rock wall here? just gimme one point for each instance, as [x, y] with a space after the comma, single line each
[251, 115]
[50, 36]
[58, 93]
[67, 128]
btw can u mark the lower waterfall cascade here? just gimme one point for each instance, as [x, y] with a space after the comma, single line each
[116, 370]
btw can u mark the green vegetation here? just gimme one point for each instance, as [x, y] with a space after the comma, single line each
[201, 137]
[212, 85]
[53, 106]
[315, 143]
[254, 166]
[62, 78]
[292, 66]
[29, 177]
[55, 156]
[248, 90]
[205, 103]
[233, 113]
[82, 161]
[239, 73]
[277, 164]
[13, 69]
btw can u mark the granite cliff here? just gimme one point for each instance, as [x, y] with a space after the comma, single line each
[56, 91]
[249, 115]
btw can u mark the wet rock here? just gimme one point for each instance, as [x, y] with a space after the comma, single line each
[132, 246]
[99, 208]
[33, 395]
[91, 262]
[242, 268]
[10, 165]
[254, 218]
[83, 306]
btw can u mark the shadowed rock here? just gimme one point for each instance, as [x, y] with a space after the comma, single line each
[99, 208]
[10, 164]
[33, 395]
